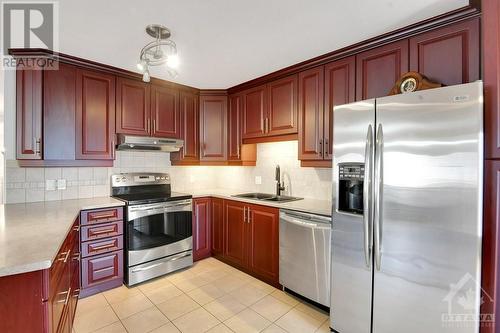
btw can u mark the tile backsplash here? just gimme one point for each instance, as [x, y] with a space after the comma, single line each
[29, 184]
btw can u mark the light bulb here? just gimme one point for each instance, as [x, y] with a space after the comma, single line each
[146, 77]
[142, 65]
[173, 61]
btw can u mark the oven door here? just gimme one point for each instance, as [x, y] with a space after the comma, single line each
[158, 230]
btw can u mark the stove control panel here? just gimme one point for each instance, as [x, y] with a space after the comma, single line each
[139, 179]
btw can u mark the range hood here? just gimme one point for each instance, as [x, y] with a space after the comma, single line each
[144, 143]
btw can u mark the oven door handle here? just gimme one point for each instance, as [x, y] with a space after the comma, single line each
[137, 212]
[140, 269]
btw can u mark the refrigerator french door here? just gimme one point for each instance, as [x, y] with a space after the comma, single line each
[407, 217]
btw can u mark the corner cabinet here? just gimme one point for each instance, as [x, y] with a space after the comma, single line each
[95, 115]
[189, 154]
[213, 128]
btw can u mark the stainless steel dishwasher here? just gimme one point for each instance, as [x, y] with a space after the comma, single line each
[304, 265]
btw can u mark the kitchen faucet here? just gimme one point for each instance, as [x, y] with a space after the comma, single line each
[279, 185]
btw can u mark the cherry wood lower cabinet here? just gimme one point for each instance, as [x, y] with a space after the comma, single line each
[45, 300]
[101, 244]
[202, 247]
[217, 226]
[251, 241]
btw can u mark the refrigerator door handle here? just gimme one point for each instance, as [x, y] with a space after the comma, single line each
[367, 196]
[379, 172]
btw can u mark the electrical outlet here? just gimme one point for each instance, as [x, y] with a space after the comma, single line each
[50, 184]
[61, 184]
[258, 180]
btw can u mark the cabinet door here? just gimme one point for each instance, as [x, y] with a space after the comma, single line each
[263, 242]
[213, 127]
[340, 86]
[254, 112]
[217, 225]
[311, 92]
[102, 268]
[165, 112]
[282, 110]
[234, 127]
[132, 107]
[448, 55]
[59, 112]
[189, 130]
[491, 233]
[377, 70]
[95, 115]
[29, 112]
[201, 229]
[235, 233]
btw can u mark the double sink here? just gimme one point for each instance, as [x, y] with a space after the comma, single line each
[267, 197]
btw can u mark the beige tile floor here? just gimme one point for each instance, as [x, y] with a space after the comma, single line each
[210, 296]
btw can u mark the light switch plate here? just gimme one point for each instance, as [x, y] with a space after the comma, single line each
[50, 184]
[258, 180]
[61, 184]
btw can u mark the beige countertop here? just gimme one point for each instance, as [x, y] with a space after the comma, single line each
[32, 233]
[321, 207]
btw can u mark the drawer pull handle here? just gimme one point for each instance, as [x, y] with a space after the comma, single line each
[105, 231]
[76, 256]
[76, 228]
[65, 300]
[77, 293]
[64, 256]
[104, 216]
[160, 263]
[102, 247]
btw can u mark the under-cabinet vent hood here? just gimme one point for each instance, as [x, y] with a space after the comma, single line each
[144, 143]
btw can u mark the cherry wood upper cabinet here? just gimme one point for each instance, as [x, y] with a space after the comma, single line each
[59, 112]
[165, 113]
[189, 130]
[234, 127]
[202, 235]
[340, 87]
[217, 226]
[95, 115]
[29, 112]
[254, 112]
[282, 110]
[132, 107]
[449, 55]
[235, 233]
[213, 127]
[311, 92]
[377, 70]
[263, 243]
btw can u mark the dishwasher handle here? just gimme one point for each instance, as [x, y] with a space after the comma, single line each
[306, 220]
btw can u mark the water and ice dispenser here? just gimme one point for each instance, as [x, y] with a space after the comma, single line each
[351, 179]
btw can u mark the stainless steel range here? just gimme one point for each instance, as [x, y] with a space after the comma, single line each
[158, 234]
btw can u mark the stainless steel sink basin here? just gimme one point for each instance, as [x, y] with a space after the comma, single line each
[282, 198]
[266, 197]
[257, 196]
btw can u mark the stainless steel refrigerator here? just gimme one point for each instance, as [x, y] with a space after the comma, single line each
[407, 212]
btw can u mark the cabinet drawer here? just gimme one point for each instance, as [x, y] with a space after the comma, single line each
[102, 231]
[102, 215]
[102, 268]
[102, 246]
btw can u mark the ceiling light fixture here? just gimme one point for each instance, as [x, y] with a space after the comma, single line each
[158, 52]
